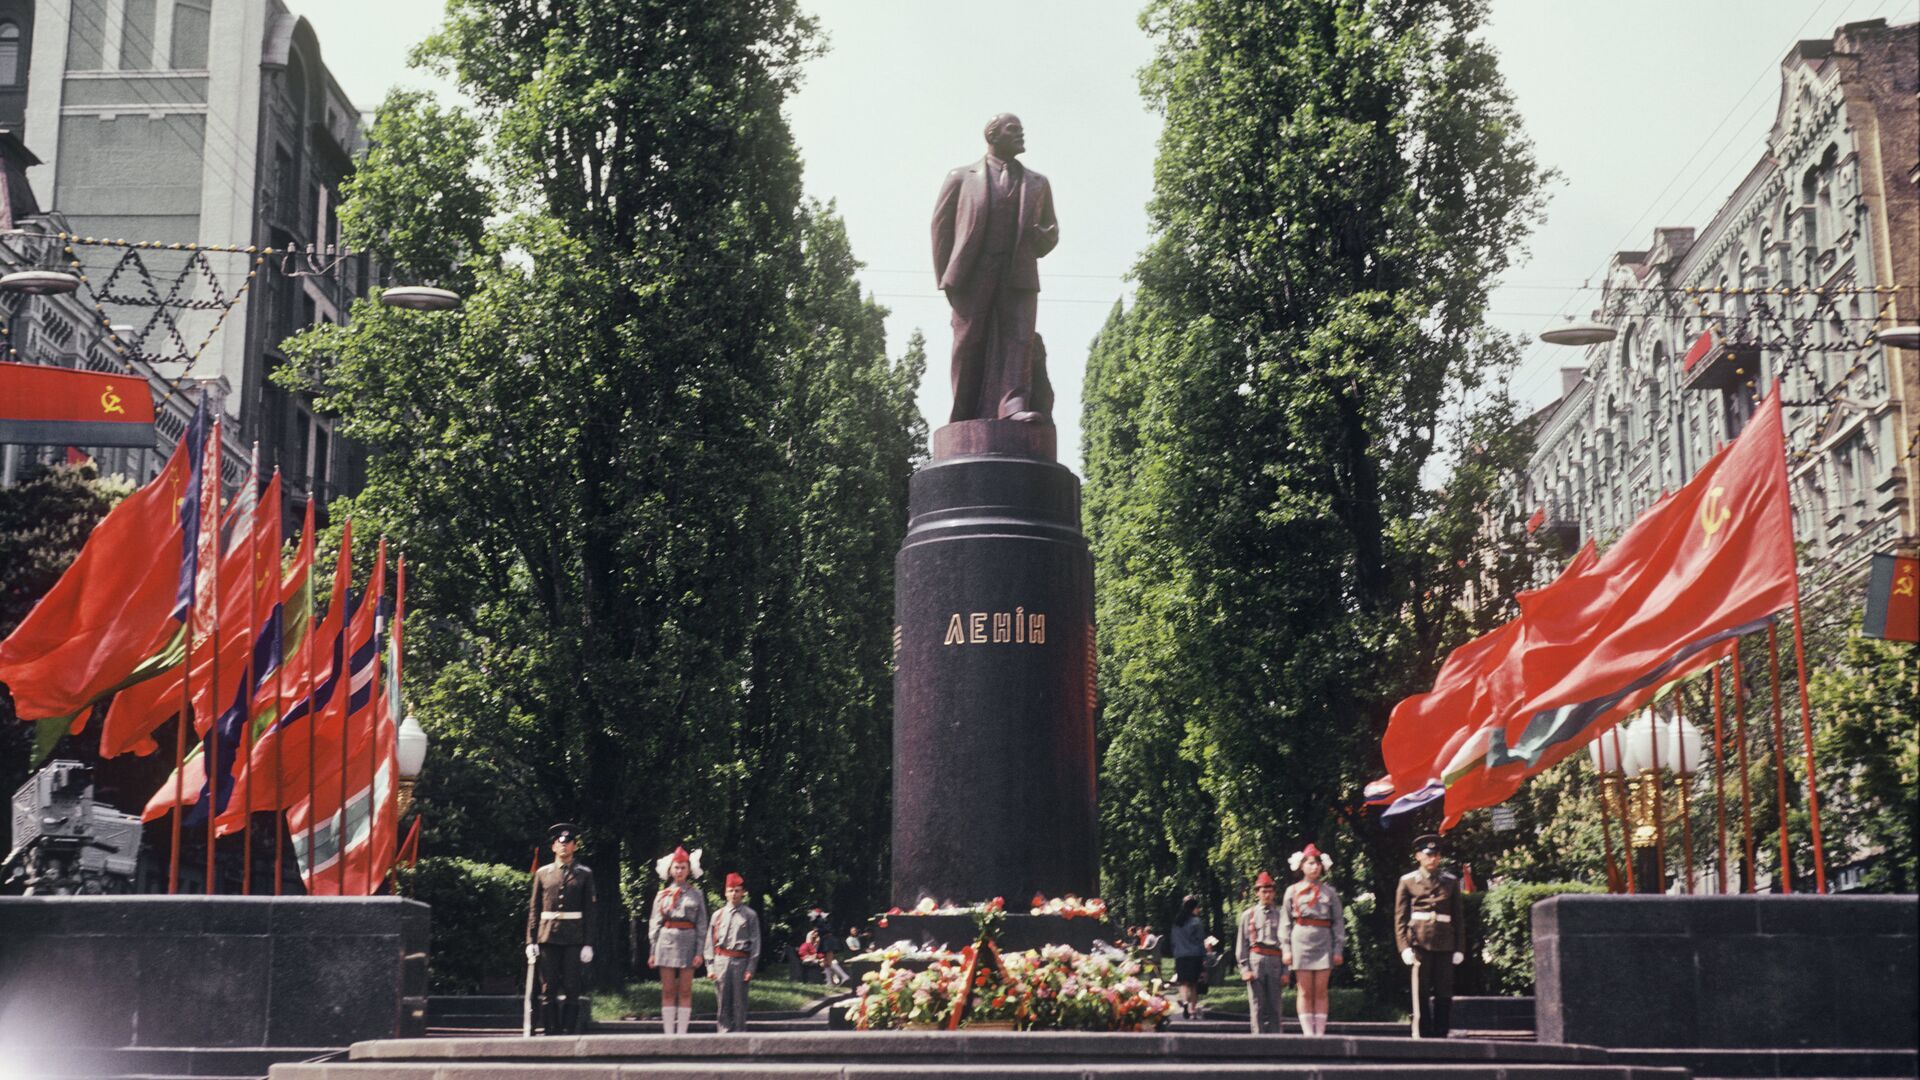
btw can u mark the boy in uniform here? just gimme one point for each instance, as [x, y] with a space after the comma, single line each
[1257, 947]
[733, 950]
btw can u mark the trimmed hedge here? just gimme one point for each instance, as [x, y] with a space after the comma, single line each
[1507, 921]
[479, 922]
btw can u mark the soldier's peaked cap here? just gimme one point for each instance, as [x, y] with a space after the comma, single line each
[1429, 843]
[563, 830]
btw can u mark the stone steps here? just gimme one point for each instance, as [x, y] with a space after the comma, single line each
[1808, 1063]
[820, 1055]
[144, 1062]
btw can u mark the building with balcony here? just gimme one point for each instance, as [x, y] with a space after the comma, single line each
[197, 122]
[1815, 251]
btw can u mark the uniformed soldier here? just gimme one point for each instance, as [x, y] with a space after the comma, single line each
[733, 951]
[1429, 925]
[1257, 947]
[559, 931]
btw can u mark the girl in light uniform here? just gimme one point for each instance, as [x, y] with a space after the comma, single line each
[676, 935]
[1314, 935]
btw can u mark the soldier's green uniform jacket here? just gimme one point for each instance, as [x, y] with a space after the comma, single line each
[1428, 913]
[562, 910]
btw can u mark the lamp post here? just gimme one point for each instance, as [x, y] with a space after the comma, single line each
[1682, 747]
[409, 757]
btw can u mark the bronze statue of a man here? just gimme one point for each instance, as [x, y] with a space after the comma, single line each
[992, 223]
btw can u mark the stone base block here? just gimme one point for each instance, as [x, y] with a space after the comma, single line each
[1748, 972]
[226, 971]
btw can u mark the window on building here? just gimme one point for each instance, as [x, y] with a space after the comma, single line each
[87, 35]
[9, 53]
[136, 36]
[191, 19]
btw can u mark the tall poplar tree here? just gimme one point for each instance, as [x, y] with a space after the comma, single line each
[649, 478]
[1338, 184]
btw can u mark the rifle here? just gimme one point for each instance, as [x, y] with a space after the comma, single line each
[526, 998]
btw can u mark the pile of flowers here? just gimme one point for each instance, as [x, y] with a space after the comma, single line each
[1071, 907]
[1053, 989]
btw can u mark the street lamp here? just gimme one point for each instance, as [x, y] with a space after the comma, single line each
[410, 757]
[420, 298]
[40, 282]
[1587, 332]
[1900, 337]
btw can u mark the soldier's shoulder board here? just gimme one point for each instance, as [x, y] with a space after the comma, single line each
[1411, 875]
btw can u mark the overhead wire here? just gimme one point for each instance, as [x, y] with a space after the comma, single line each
[1526, 381]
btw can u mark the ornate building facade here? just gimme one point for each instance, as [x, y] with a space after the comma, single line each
[1810, 257]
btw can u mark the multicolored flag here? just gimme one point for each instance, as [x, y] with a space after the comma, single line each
[46, 406]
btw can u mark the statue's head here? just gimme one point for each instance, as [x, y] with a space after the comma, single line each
[1005, 135]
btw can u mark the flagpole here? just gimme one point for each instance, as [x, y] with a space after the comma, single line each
[1606, 834]
[1720, 775]
[1683, 782]
[180, 757]
[1779, 756]
[1806, 737]
[211, 766]
[1659, 816]
[343, 694]
[313, 719]
[246, 695]
[1746, 792]
[280, 735]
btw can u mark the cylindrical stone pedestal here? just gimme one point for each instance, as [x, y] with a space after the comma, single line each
[993, 757]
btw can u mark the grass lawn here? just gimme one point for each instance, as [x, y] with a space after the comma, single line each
[765, 993]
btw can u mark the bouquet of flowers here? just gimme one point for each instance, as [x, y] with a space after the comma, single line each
[1069, 906]
[1052, 989]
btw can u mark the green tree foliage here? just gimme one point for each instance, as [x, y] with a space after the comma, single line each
[1868, 754]
[1338, 183]
[649, 480]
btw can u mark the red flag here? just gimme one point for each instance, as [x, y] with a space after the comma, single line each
[1893, 599]
[368, 822]
[1538, 519]
[141, 709]
[101, 625]
[1698, 351]
[1703, 566]
[45, 405]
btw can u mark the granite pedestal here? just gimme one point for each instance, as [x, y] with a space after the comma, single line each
[993, 756]
[1744, 972]
[230, 971]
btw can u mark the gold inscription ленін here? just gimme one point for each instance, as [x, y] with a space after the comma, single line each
[1016, 627]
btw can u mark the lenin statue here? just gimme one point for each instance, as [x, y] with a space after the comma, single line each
[992, 223]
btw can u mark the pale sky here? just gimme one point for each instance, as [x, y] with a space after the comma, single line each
[1650, 109]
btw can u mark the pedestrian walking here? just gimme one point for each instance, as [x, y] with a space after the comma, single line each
[559, 929]
[1189, 943]
[1314, 934]
[733, 951]
[1262, 964]
[676, 934]
[1429, 925]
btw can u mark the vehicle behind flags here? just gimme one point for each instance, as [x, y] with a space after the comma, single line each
[1703, 566]
[104, 624]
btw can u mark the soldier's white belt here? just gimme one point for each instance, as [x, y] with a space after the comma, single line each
[561, 915]
[1429, 916]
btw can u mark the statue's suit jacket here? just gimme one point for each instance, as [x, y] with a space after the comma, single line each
[959, 227]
